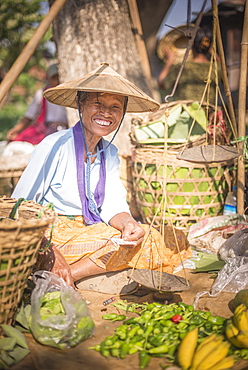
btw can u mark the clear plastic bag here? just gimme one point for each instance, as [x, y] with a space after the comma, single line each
[59, 330]
[232, 278]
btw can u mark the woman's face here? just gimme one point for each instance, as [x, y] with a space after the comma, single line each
[101, 113]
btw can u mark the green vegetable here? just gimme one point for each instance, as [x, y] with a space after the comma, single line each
[7, 344]
[144, 359]
[135, 348]
[124, 350]
[114, 317]
[12, 332]
[160, 349]
[217, 320]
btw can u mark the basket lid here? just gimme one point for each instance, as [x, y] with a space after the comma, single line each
[209, 153]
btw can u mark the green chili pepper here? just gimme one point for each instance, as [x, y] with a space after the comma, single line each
[136, 338]
[182, 334]
[121, 331]
[108, 341]
[117, 344]
[172, 349]
[244, 353]
[109, 316]
[115, 352]
[149, 330]
[144, 359]
[160, 349]
[131, 333]
[124, 350]
[113, 317]
[132, 320]
[166, 323]
[140, 331]
[104, 351]
[138, 346]
[154, 341]
[217, 320]
[196, 320]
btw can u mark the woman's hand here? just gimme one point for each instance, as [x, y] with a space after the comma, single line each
[52, 260]
[61, 267]
[130, 229]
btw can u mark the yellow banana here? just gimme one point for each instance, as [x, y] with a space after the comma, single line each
[231, 330]
[240, 320]
[204, 349]
[206, 340]
[242, 340]
[240, 308]
[225, 364]
[214, 356]
[187, 348]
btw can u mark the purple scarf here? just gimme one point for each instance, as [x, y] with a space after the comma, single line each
[90, 208]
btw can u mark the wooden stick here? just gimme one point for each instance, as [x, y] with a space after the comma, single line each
[223, 69]
[145, 64]
[29, 49]
[242, 112]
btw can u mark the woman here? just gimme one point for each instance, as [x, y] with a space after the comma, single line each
[77, 171]
[195, 72]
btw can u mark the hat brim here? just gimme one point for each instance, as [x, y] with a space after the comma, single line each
[105, 80]
[177, 41]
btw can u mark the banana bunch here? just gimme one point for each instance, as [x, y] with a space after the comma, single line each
[210, 354]
[237, 327]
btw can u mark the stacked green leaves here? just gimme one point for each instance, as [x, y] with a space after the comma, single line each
[13, 346]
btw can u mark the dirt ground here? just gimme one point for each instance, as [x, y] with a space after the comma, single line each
[80, 357]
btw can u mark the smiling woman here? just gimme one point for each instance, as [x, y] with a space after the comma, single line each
[77, 171]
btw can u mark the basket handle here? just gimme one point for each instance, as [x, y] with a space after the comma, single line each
[15, 208]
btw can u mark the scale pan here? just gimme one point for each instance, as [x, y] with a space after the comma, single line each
[209, 153]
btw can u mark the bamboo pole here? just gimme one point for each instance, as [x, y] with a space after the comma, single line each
[242, 112]
[223, 68]
[29, 49]
[138, 32]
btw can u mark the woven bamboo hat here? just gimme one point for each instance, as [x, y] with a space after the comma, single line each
[177, 40]
[102, 79]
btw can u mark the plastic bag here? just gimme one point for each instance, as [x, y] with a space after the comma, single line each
[232, 278]
[236, 245]
[209, 234]
[59, 330]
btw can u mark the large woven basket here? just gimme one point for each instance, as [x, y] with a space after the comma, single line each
[169, 189]
[11, 169]
[20, 239]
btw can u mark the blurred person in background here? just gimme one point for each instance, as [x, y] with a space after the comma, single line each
[42, 117]
[192, 81]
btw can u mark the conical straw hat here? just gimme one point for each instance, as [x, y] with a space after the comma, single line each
[177, 41]
[102, 79]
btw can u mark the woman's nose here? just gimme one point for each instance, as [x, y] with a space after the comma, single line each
[104, 109]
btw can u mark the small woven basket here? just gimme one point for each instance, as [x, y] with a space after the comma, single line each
[191, 191]
[20, 239]
[11, 169]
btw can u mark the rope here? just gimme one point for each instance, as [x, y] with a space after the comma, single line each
[189, 47]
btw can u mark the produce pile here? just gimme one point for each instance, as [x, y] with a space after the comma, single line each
[161, 330]
[13, 346]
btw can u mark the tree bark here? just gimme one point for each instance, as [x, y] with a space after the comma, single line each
[88, 32]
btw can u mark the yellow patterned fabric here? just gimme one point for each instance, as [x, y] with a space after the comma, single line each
[75, 241]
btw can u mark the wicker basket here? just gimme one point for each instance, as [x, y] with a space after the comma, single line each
[19, 243]
[192, 191]
[11, 169]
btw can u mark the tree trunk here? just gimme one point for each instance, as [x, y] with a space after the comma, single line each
[88, 32]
